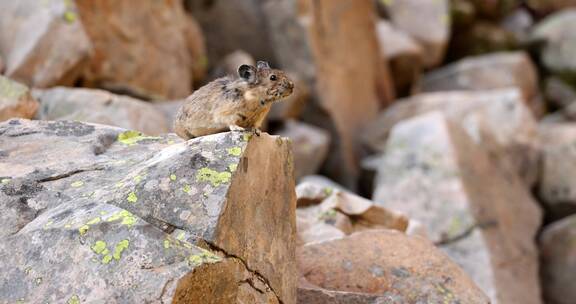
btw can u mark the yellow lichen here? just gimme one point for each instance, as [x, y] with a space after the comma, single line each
[128, 219]
[235, 151]
[73, 300]
[132, 198]
[186, 189]
[132, 137]
[214, 177]
[121, 246]
[233, 167]
[98, 247]
[172, 177]
[77, 184]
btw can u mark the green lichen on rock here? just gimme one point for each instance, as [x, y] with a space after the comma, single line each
[73, 300]
[83, 229]
[186, 189]
[132, 137]
[205, 256]
[213, 177]
[132, 198]
[128, 219]
[172, 177]
[166, 244]
[235, 151]
[70, 16]
[10, 89]
[99, 247]
[5, 181]
[247, 136]
[137, 179]
[120, 247]
[232, 167]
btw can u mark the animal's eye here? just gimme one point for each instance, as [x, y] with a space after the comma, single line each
[273, 77]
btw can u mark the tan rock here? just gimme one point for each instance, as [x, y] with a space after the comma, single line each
[15, 100]
[311, 193]
[558, 251]
[403, 54]
[384, 265]
[486, 72]
[557, 187]
[353, 83]
[310, 146]
[498, 120]
[482, 215]
[150, 218]
[43, 43]
[428, 21]
[102, 107]
[147, 49]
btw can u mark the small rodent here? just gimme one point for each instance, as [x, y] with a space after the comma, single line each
[235, 103]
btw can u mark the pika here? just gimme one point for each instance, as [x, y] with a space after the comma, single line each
[234, 103]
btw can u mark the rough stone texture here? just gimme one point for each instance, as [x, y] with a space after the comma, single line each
[43, 43]
[230, 25]
[558, 251]
[15, 100]
[544, 7]
[403, 54]
[480, 214]
[98, 106]
[387, 264]
[147, 49]
[310, 146]
[498, 120]
[292, 106]
[557, 186]
[486, 72]
[340, 213]
[428, 21]
[559, 44]
[150, 219]
[353, 82]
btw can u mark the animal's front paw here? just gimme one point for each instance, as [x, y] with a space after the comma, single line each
[256, 131]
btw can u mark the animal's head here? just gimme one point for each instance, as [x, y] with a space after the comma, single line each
[275, 82]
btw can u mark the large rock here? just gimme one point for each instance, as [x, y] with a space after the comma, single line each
[557, 186]
[43, 43]
[146, 49]
[231, 25]
[102, 107]
[428, 21]
[559, 93]
[558, 250]
[353, 83]
[310, 146]
[558, 40]
[493, 71]
[15, 100]
[382, 266]
[543, 7]
[480, 214]
[150, 219]
[403, 54]
[498, 120]
[481, 37]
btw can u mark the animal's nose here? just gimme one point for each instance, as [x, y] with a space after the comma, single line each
[290, 85]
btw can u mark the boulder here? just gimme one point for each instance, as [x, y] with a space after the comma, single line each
[145, 49]
[382, 266]
[15, 100]
[427, 21]
[102, 107]
[479, 38]
[482, 215]
[169, 109]
[557, 187]
[310, 145]
[544, 7]
[43, 43]
[498, 120]
[558, 251]
[353, 83]
[558, 44]
[231, 25]
[403, 54]
[486, 72]
[230, 63]
[519, 23]
[151, 219]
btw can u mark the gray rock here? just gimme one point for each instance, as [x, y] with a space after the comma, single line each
[102, 107]
[15, 100]
[43, 43]
[486, 72]
[91, 213]
[558, 248]
[480, 214]
[310, 146]
[558, 92]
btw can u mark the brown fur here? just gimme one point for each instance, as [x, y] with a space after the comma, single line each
[232, 102]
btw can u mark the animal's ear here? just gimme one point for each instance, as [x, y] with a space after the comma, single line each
[247, 72]
[262, 65]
